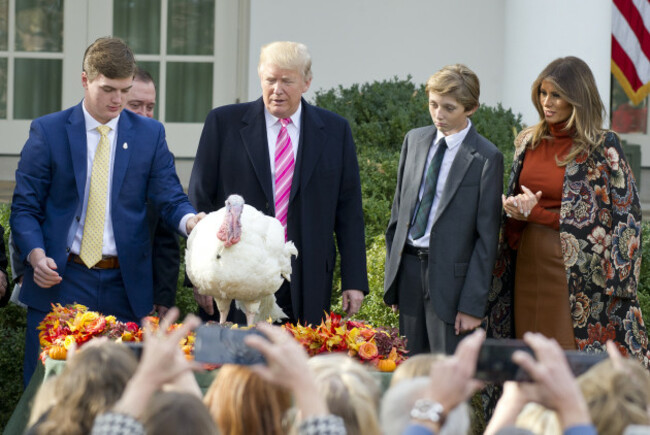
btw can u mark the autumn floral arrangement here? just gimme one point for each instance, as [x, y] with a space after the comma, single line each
[69, 324]
[382, 347]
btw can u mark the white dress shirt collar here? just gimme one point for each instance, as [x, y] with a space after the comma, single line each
[454, 140]
[92, 123]
[295, 118]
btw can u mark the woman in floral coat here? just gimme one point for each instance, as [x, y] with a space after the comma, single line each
[572, 216]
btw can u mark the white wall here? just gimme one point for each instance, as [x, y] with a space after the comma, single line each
[506, 42]
[537, 32]
[357, 41]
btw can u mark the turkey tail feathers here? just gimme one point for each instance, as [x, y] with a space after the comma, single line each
[268, 309]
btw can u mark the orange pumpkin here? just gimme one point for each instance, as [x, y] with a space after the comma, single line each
[386, 365]
[58, 352]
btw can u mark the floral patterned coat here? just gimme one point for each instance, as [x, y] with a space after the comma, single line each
[600, 232]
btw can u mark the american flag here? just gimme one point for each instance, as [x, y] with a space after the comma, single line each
[631, 47]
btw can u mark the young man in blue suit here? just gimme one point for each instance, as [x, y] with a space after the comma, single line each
[81, 225]
[239, 152]
[442, 235]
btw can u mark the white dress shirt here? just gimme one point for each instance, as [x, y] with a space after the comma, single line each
[453, 145]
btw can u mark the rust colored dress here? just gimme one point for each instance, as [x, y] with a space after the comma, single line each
[541, 295]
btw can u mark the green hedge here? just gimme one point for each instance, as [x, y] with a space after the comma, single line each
[13, 321]
[12, 349]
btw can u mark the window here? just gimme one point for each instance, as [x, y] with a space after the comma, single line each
[175, 41]
[31, 58]
[196, 51]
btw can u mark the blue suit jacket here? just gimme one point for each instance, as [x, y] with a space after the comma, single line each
[233, 157]
[48, 198]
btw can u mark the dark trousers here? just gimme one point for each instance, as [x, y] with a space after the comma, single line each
[99, 290]
[424, 330]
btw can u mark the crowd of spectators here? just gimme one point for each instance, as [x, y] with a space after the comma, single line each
[105, 390]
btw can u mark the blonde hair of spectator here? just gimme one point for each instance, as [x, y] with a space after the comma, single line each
[92, 381]
[287, 55]
[241, 402]
[539, 420]
[417, 365]
[617, 397]
[350, 390]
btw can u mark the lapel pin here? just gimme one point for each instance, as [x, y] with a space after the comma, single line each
[125, 146]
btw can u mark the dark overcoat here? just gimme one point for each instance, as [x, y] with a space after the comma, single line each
[233, 157]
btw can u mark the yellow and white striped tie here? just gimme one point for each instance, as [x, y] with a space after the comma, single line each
[93, 236]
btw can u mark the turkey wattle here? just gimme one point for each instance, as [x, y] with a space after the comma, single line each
[240, 253]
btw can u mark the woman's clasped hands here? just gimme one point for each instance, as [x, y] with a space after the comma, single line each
[519, 206]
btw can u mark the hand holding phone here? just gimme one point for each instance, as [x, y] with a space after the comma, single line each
[555, 386]
[218, 345]
[495, 361]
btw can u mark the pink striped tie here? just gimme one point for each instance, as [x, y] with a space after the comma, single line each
[284, 164]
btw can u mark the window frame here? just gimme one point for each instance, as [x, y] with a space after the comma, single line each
[84, 21]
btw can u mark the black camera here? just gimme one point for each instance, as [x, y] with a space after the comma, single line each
[495, 363]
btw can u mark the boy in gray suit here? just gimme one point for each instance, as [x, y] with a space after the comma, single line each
[442, 236]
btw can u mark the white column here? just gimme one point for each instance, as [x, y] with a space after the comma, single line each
[537, 32]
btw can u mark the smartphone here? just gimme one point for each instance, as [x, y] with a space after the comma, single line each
[495, 363]
[217, 345]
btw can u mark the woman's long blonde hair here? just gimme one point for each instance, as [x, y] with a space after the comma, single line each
[575, 83]
[350, 390]
[617, 396]
[242, 402]
[92, 381]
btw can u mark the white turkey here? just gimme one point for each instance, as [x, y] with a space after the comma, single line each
[240, 253]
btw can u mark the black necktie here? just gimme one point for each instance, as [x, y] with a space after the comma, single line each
[431, 180]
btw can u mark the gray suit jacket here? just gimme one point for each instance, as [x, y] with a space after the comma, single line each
[465, 231]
